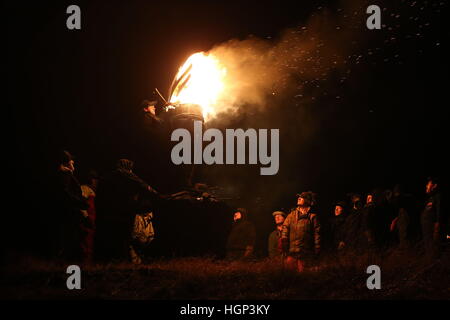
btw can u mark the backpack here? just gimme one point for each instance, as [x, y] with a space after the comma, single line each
[143, 231]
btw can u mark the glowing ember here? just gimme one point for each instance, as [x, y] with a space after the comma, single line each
[200, 81]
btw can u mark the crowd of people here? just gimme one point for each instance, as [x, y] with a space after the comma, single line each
[113, 215]
[385, 220]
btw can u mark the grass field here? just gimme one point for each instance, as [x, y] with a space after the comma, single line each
[403, 276]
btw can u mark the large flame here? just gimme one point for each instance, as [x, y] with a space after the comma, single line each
[200, 80]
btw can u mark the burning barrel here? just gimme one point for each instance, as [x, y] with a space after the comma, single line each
[184, 116]
[194, 96]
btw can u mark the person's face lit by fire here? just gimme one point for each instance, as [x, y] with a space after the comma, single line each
[369, 199]
[300, 201]
[71, 165]
[150, 109]
[279, 219]
[356, 201]
[338, 210]
[430, 187]
[237, 216]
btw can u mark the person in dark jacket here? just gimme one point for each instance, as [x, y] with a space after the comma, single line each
[70, 206]
[385, 214]
[274, 243]
[430, 217]
[369, 221]
[400, 223]
[149, 110]
[88, 193]
[117, 204]
[375, 220]
[354, 234]
[338, 226]
[241, 241]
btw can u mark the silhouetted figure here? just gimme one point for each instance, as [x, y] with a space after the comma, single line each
[400, 223]
[241, 241]
[338, 227]
[117, 205]
[386, 214]
[70, 204]
[355, 233]
[377, 220]
[88, 193]
[274, 243]
[430, 217]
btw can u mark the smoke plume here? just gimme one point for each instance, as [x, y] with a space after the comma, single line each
[259, 70]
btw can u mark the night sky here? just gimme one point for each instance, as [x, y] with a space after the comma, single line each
[81, 91]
